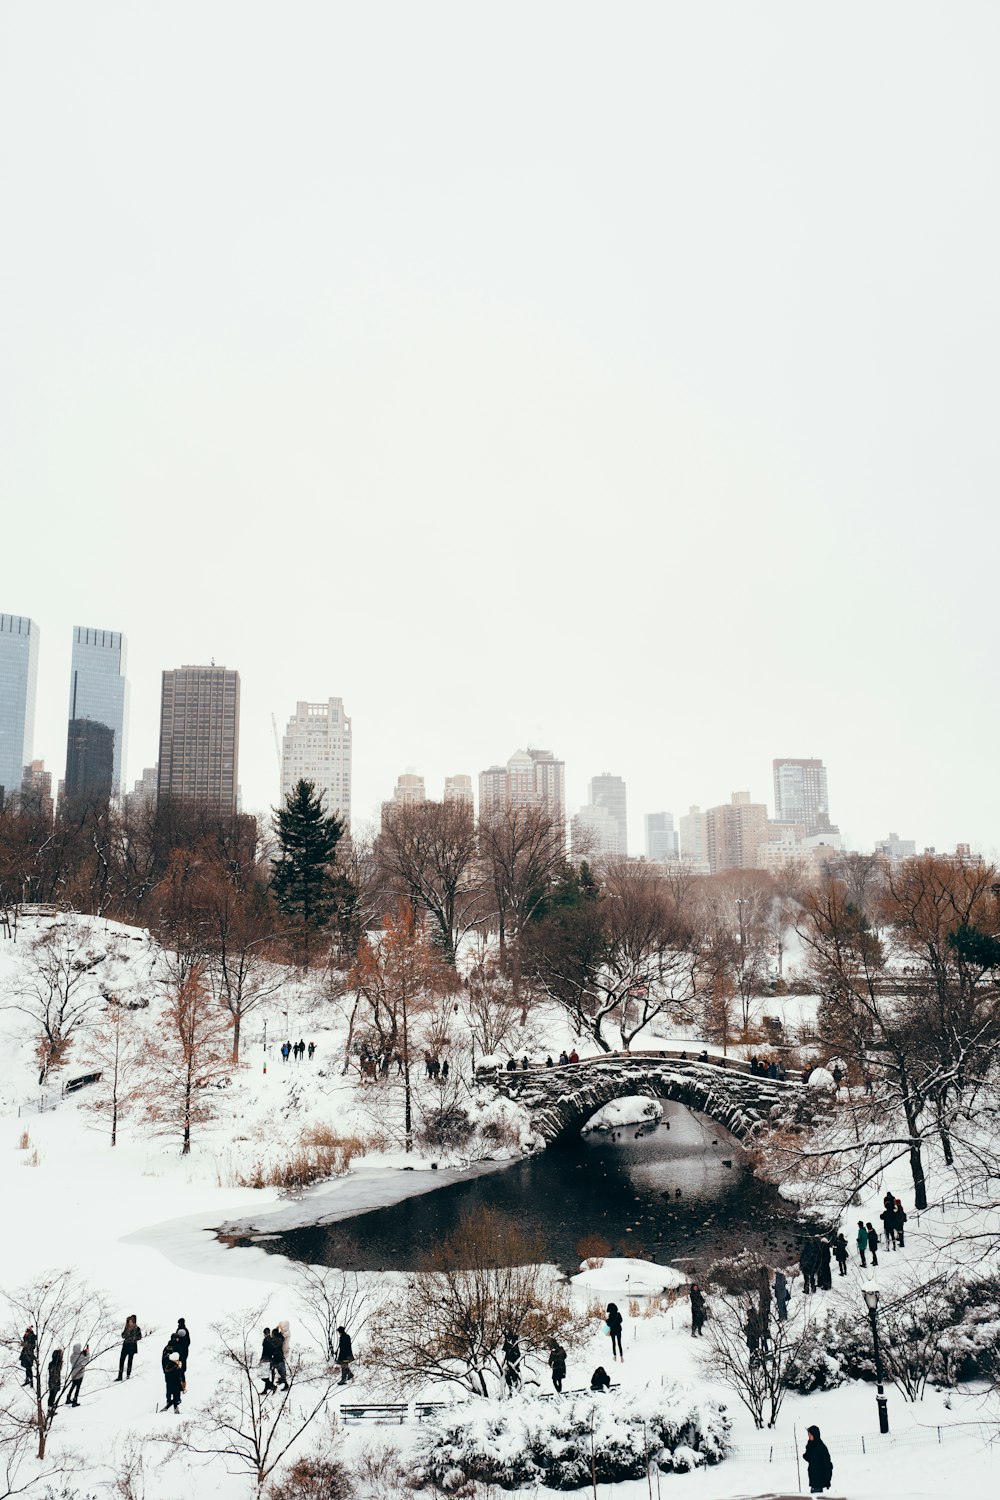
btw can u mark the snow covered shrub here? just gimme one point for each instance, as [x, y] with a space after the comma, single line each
[313, 1479]
[379, 1474]
[565, 1444]
[831, 1349]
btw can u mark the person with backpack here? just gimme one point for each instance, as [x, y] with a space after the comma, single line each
[872, 1243]
[862, 1241]
[182, 1343]
[818, 1462]
[557, 1364]
[613, 1323]
[174, 1378]
[131, 1334]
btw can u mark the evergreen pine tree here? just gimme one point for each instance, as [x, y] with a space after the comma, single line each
[303, 883]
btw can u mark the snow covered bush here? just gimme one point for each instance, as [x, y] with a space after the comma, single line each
[832, 1348]
[569, 1442]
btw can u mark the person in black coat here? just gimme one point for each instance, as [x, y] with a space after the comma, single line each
[781, 1295]
[872, 1243]
[511, 1361]
[818, 1462]
[55, 1378]
[824, 1274]
[614, 1322]
[809, 1265]
[557, 1364]
[899, 1222]
[699, 1310]
[131, 1334]
[345, 1354]
[27, 1355]
[174, 1377]
[841, 1253]
[182, 1343]
[600, 1380]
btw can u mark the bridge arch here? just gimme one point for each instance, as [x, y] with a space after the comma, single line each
[559, 1101]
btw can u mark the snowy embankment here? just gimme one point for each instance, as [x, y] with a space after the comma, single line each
[137, 1222]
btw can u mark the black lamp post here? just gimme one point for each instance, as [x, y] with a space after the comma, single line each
[871, 1297]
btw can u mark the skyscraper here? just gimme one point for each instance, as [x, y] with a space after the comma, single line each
[800, 793]
[317, 747]
[409, 790]
[200, 736]
[531, 778]
[458, 789]
[694, 839]
[661, 839]
[96, 740]
[18, 686]
[609, 791]
[734, 834]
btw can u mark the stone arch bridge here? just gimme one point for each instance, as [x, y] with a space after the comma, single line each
[560, 1100]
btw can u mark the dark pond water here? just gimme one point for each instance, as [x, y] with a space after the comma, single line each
[624, 1189]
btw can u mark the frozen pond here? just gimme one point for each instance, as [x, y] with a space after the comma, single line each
[624, 1189]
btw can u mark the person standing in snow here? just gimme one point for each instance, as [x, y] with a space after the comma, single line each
[312, 1049]
[345, 1354]
[26, 1358]
[809, 1264]
[267, 1362]
[888, 1217]
[824, 1275]
[557, 1364]
[862, 1241]
[841, 1252]
[286, 1048]
[818, 1462]
[764, 1295]
[55, 1375]
[872, 1243]
[131, 1334]
[898, 1222]
[174, 1378]
[301, 1050]
[181, 1341]
[279, 1343]
[79, 1361]
[781, 1295]
[613, 1322]
[699, 1310]
[511, 1361]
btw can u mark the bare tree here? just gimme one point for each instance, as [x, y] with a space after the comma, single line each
[251, 1429]
[523, 850]
[399, 975]
[751, 1350]
[62, 1311]
[490, 1010]
[115, 1049]
[430, 849]
[188, 1058]
[331, 1299]
[448, 1322]
[61, 988]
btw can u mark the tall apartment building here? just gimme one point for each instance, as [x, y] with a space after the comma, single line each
[409, 789]
[531, 778]
[800, 793]
[458, 789]
[36, 791]
[18, 689]
[316, 747]
[694, 839]
[661, 838]
[143, 793]
[735, 833]
[200, 736]
[609, 791]
[97, 733]
[594, 833]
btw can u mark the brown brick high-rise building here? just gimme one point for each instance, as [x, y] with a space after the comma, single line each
[200, 736]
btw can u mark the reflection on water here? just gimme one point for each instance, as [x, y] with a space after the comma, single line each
[661, 1191]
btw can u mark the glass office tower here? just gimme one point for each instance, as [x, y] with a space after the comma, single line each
[18, 685]
[96, 742]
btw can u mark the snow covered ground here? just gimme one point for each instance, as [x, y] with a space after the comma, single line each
[138, 1221]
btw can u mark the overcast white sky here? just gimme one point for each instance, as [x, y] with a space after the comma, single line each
[621, 378]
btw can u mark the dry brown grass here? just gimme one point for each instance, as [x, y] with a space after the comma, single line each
[24, 1142]
[593, 1248]
[320, 1153]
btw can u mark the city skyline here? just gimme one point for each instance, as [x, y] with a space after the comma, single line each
[370, 813]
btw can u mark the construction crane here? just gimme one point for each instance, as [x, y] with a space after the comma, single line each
[277, 742]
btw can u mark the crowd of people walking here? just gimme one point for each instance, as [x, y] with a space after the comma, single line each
[298, 1050]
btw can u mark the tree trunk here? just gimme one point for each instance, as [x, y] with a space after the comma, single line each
[946, 1147]
[917, 1170]
[236, 1036]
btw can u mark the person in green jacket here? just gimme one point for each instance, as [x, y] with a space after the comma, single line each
[862, 1241]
